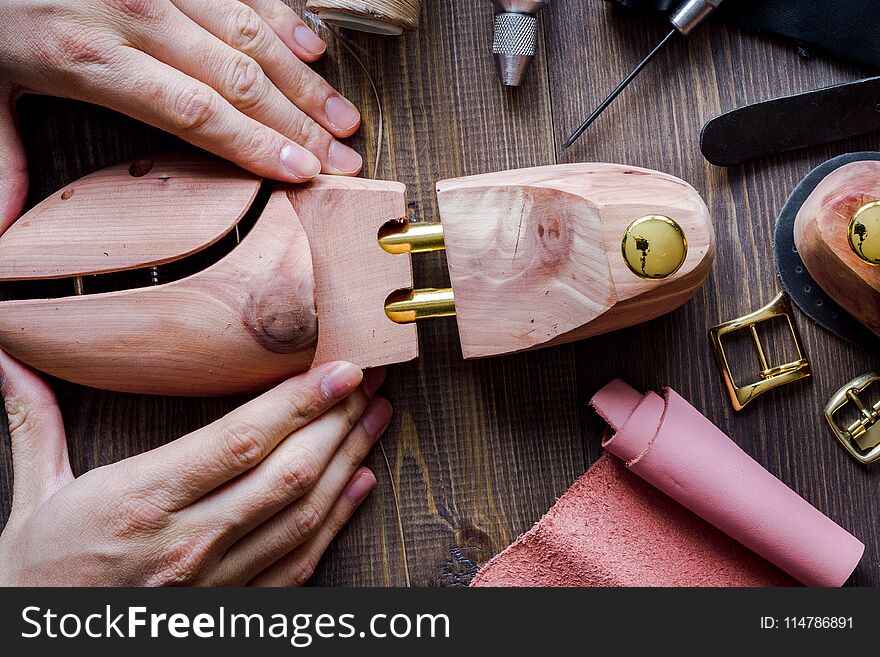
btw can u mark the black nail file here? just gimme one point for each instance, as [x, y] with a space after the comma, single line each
[786, 124]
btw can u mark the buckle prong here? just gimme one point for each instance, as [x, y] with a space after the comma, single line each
[765, 368]
[769, 376]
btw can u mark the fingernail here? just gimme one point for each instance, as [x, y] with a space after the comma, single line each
[344, 159]
[376, 417]
[341, 113]
[373, 380]
[299, 162]
[308, 40]
[339, 382]
[360, 486]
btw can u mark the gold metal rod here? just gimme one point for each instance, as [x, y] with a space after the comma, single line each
[761, 356]
[420, 237]
[78, 286]
[407, 306]
[853, 396]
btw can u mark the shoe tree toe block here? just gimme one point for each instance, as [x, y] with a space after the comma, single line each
[535, 255]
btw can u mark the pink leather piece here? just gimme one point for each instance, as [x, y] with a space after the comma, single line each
[613, 529]
[669, 444]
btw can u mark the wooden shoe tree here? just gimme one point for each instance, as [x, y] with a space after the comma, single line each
[837, 234]
[183, 275]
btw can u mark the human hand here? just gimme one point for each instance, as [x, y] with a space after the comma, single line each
[226, 75]
[253, 498]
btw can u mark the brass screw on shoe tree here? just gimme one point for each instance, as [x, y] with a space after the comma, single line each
[654, 247]
[405, 237]
[409, 305]
[864, 233]
[406, 306]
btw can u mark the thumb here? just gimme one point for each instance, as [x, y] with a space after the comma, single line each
[13, 164]
[40, 465]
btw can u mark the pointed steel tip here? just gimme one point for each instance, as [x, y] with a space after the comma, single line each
[573, 137]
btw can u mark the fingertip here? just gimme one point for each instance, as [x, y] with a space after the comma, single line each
[19, 380]
[299, 163]
[359, 486]
[309, 46]
[13, 169]
[373, 380]
[340, 379]
[377, 417]
[344, 160]
[342, 115]
[13, 194]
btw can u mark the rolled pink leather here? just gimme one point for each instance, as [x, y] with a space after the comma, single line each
[671, 445]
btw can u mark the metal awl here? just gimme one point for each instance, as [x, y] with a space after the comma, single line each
[689, 15]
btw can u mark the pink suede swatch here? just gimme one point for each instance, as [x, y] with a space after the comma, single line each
[613, 528]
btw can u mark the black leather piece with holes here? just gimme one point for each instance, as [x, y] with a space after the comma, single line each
[804, 291]
[845, 28]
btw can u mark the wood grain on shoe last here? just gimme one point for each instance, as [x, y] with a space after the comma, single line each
[820, 234]
[303, 287]
[353, 275]
[535, 255]
[534, 258]
[134, 214]
[242, 324]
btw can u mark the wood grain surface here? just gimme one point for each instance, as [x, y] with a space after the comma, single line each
[353, 274]
[126, 213]
[534, 254]
[479, 450]
[245, 323]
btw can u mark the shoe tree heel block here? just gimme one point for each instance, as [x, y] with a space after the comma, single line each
[306, 284]
[534, 258]
[848, 270]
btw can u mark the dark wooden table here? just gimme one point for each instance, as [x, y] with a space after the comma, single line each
[478, 451]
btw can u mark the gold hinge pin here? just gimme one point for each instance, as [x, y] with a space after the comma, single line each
[764, 365]
[405, 237]
[408, 305]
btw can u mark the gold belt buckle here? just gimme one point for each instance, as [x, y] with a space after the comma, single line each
[861, 439]
[770, 377]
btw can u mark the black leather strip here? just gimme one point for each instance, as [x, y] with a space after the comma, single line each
[792, 122]
[802, 288]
